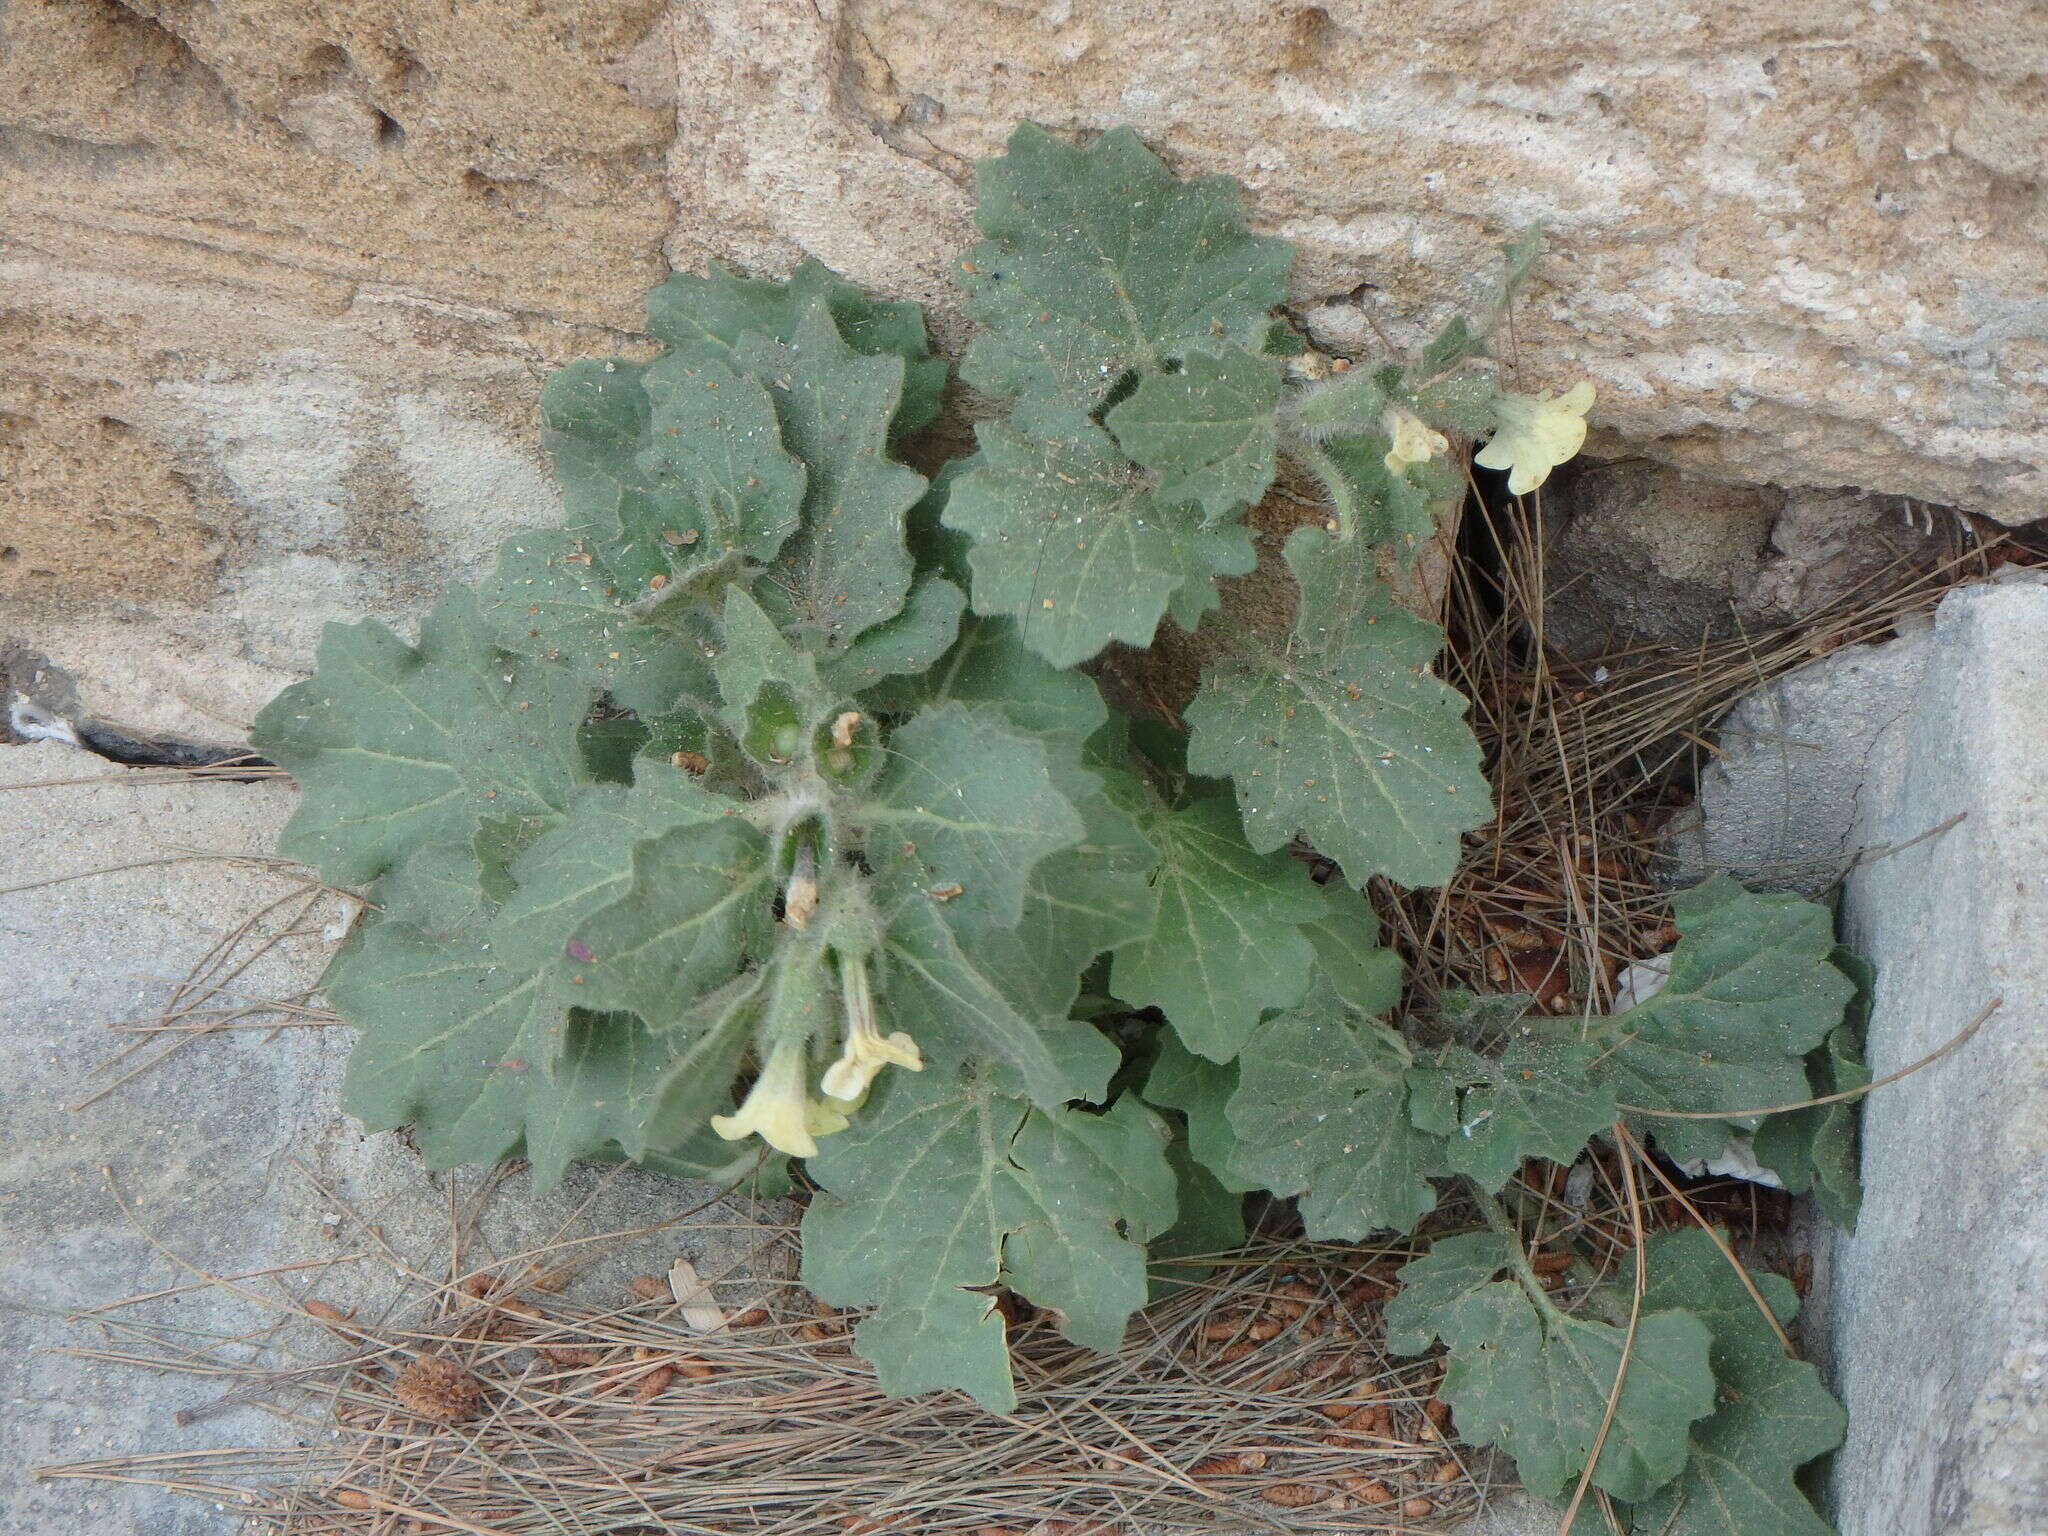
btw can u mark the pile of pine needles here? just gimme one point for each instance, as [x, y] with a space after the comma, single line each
[1257, 1396]
[1590, 759]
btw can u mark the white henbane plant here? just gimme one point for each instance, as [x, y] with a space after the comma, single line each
[758, 813]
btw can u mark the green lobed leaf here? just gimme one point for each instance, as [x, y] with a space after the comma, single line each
[961, 1004]
[1348, 952]
[979, 978]
[1535, 1382]
[977, 1188]
[723, 484]
[604, 1086]
[1078, 903]
[846, 568]
[1206, 433]
[595, 418]
[1201, 1091]
[1346, 738]
[965, 810]
[1519, 256]
[1462, 403]
[1815, 1148]
[462, 1035]
[1457, 342]
[1773, 1415]
[1340, 406]
[394, 746]
[1752, 990]
[696, 902]
[548, 597]
[989, 664]
[1433, 1285]
[1321, 1111]
[709, 315]
[438, 890]
[908, 645]
[1536, 1098]
[772, 693]
[1228, 943]
[1074, 546]
[1098, 262]
[675, 475]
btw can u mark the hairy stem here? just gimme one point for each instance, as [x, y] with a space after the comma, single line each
[1504, 1228]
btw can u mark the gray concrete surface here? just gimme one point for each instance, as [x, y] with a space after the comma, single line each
[216, 1151]
[1932, 1320]
[1779, 805]
[1938, 1306]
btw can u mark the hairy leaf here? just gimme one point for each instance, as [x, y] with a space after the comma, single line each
[1462, 403]
[962, 1003]
[1004, 870]
[1346, 738]
[395, 746]
[1537, 1098]
[989, 664]
[461, 1036]
[675, 473]
[609, 1082]
[1078, 902]
[771, 689]
[846, 568]
[1098, 262]
[440, 889]
[1076, 548]
[1402, 510]
[1534, 1381]
[1321, 1110]
[723, 484]
[1201, 1091]
[708, 317]
[698, 902]
[982, 1189]
[548, 597]
[1752, 990]
[905, 646]
[1346, 941]
[965, 810]
[1815, 1148]
[595, 418]
[1207, 432]
[1433, 1285]
[1772, 1417]
[1228, 944]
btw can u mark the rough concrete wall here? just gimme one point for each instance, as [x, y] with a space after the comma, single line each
[280, 282]
[1948, 1434]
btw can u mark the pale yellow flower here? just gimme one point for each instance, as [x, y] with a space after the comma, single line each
[867, 1050]
[822, 1119]
[779, 1109]
[1415, 440]
[1536, 434]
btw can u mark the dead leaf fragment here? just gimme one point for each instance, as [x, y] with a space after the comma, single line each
[693, 1295]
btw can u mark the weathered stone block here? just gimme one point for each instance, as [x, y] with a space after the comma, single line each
[221, 1152]
[1933, 1318]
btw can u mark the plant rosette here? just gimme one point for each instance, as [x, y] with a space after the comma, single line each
[760, 811]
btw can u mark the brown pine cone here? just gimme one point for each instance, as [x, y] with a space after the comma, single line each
[438, 1389]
